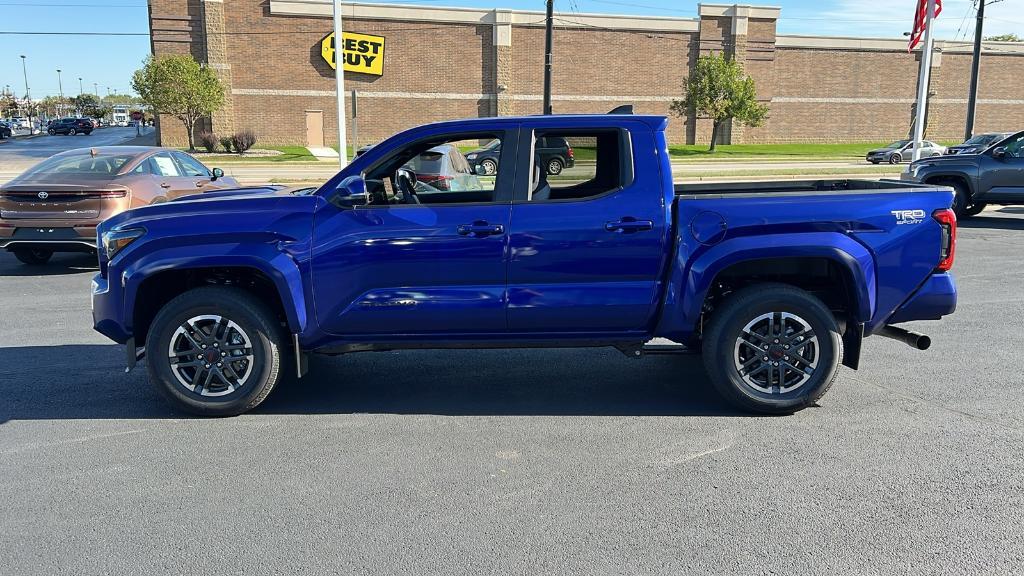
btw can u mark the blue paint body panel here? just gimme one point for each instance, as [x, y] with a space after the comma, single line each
[555, 274]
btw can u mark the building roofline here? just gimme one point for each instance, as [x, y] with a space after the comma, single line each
[487, 16]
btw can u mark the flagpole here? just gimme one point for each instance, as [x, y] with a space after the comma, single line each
[922, 80]
[339, 79]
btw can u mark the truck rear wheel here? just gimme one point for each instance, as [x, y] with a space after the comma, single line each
[215, 351]
[772, 348]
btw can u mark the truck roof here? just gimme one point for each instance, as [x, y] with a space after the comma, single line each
[577, 120]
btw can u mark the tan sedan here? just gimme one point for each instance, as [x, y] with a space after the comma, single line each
[56, 205]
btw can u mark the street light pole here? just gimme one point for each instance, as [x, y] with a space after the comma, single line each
[547, 55]
[28, 97]
[80, 90]
[339, 84]
[96, 89]
[972, 94]
[60, 91]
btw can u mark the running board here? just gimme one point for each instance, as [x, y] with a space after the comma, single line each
[667, 348]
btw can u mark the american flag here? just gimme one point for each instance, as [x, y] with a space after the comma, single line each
[920, 16]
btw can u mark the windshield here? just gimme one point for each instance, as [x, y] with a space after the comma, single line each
[81, 164]
[981, 139]
[898, 144]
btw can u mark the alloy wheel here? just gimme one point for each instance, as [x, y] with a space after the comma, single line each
[210, 355]
[776, 353]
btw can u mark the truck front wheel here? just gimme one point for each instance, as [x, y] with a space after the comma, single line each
[772, 348]
[215, 351]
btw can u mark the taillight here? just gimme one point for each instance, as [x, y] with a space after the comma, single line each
[571, 155]
[947, 222]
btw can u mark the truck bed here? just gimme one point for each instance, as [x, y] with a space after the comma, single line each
[794, 187]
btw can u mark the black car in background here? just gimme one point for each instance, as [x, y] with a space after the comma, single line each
[71, 126]
[995, 176]
[978, 143]
[555, 155]
[5, 130]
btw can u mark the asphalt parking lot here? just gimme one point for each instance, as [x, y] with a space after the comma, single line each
[526, 462]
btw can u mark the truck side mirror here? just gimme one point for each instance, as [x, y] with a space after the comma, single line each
[351, 192]
[217, 173]
[999, 152]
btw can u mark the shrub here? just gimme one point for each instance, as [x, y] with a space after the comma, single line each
[208, 141]
[225, 142]
[242, 141]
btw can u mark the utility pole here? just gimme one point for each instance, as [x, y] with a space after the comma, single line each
[548, 25]
[923, 80]
[80, 90]
[972, 94]
[96, 89]
[339, 84]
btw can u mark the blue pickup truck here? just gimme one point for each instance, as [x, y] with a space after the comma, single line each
[776, 283]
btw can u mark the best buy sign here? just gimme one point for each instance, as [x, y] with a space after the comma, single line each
[362, 52]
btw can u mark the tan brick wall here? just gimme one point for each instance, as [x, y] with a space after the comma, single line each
[595, 69]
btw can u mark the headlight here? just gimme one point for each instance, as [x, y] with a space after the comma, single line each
[470, 156]
[115, 240]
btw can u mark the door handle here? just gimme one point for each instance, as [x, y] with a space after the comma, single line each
[200, 183]
[480, 228]
[628, 225]
[165, 185]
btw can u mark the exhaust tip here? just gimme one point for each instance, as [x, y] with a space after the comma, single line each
[924, 342]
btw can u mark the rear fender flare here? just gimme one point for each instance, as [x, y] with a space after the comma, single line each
[688, 289]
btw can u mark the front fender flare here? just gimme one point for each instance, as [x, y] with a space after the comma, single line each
[279, 267]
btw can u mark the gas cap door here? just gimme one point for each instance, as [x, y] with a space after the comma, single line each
[708, 227]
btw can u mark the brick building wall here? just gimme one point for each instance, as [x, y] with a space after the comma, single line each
[444, 63]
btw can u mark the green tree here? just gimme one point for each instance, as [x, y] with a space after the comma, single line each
[8, 105]
[719, 89]
[86, 104]
[177, 85]
[1005, 38]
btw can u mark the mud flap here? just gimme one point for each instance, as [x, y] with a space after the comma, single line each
[852, 338]
[301, 358]
[132, 354]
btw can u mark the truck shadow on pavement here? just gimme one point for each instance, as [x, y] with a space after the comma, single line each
[65, 263]
[987, 221]
[88, 382]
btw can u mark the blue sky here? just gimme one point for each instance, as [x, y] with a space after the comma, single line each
[108, 61]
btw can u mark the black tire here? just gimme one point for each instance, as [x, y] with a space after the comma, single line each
[975, 209]
[895, 159]
[555, 166]
[50, 132]
[962, 204]
[721, 348]
[88, 132]
[72, 132]
[32, 256]
[490, 167]
[263, 330]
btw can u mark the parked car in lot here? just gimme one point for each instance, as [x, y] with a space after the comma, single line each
[56, 205]
[5, 130]
[774, 283]
[903, 150]
[442, 169]
[555, 153]
[995, 176]
[978, 143]
[71, 126]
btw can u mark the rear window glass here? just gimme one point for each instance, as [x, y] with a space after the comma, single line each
[82, 163]
[427, 162]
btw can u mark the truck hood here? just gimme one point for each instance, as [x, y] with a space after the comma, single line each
[947, 161]
[236, 210]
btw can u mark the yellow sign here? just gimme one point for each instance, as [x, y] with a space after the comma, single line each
[363, 52]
